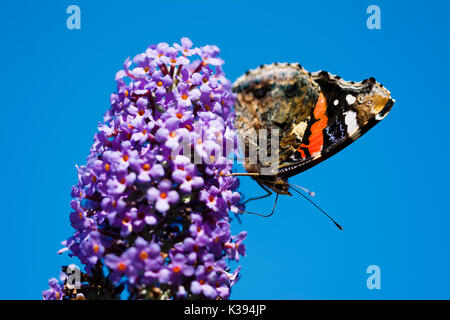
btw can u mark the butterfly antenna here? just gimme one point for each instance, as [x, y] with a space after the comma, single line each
[311, 193]
[337, 224]
[262, 215]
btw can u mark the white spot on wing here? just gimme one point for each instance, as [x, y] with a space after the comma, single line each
[299, 130]
[350, 99]
[351, 122]
[336, 102]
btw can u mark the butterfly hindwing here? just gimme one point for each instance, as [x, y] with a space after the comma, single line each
[277, 96]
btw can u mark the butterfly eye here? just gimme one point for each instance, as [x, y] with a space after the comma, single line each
[260, 92]
[291, 90]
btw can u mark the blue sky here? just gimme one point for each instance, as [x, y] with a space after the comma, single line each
[389, 189]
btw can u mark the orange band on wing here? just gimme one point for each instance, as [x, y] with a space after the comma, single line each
[316, 137]
[321, 107]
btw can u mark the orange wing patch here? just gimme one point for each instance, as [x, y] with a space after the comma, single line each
[321, 121]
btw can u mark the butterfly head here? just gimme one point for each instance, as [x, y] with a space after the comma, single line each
[275, 183]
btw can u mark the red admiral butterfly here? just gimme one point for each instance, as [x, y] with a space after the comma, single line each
[317, 115]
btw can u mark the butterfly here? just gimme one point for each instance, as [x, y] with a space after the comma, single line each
[315, 114]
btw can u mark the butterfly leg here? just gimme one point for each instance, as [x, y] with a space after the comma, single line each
[269, 193]
[267, 215]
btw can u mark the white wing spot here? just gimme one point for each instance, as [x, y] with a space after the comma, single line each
[336, 102]
[351, 122]
[350, 99]
[380, 117]
[299, 130]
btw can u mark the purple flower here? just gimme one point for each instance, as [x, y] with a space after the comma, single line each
[185, 173]
[209, 55]
[212, 198]
[92, 247]
[175, 61]
[236, 248]
[179, 268]
[185, 96]
[162, 196]
[147, 169]
[120, 266]
[201, 285]
[151, 205]
[55, 291]
[185, 48]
